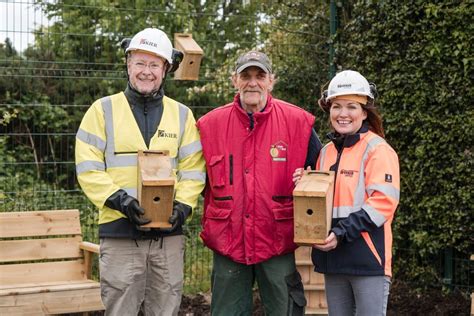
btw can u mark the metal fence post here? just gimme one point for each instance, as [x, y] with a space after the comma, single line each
[448, 267]
[332, 33]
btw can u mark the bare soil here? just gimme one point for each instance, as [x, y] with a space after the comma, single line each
[403, 301]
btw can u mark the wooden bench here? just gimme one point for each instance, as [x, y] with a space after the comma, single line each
[45, 267]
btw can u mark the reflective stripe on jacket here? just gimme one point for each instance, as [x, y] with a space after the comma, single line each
[248, 214]
[107, 143]
[366, 195]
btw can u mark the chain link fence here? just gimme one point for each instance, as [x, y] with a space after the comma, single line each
[50, 73]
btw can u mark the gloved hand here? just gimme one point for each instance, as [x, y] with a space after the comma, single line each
[129, 206]
[177, 218]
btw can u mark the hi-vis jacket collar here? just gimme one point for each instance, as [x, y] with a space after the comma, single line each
[345, 141]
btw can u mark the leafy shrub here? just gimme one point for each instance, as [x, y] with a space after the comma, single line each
[419, 53]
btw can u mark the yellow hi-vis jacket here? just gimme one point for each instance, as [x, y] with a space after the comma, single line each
[107, 143]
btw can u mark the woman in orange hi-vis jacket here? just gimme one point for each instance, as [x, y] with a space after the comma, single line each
[356, 256]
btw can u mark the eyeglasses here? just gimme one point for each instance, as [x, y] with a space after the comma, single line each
[141, 65]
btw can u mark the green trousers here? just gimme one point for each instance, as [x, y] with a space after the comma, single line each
[279, 284]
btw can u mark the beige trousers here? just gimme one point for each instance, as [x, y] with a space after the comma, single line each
[146, 274]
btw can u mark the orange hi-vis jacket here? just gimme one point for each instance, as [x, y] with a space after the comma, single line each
[366, 195]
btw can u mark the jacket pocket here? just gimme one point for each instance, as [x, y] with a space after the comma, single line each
[217, 231]
[283, 216]
[296, 299]
[217, 171]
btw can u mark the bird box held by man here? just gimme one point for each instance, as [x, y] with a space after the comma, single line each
[312, 198]
[189, 67]
[155, 187]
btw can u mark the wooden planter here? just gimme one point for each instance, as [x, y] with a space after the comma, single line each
[313, 283]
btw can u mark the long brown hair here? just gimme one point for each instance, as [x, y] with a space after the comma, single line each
[373, 116]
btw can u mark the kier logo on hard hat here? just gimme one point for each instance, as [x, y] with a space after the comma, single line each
[143, 41]
[346, 85]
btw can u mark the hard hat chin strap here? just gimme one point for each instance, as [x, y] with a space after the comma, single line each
[177, 57]
[152, 94]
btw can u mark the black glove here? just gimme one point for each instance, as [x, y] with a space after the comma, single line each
[129, 206]
[177, 218]
[134, 212]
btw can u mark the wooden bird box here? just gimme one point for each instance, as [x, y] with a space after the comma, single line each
[189, 67]
[312, 199]
[155, 187]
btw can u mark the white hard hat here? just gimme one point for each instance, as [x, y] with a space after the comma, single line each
[348, 82]
[153, 41]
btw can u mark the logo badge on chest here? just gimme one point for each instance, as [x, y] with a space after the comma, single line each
[163, 133]
[278, 151]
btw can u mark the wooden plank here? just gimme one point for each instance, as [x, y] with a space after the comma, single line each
[472, 303]
[72, 301]
[303, 253]
[27, 309]
[88, 246]
[314, 287]
[39, 249]
[39, 272]
[159, 183]
[317, 299]
[314, 183]
[304, 263]
[316, 311]
[316, 278]
[312, 219]
[31, 288]
[187, 44]
[154, 165]
[77, 301]
[89, 249]
[158, 204]
[311, 280]
[304, 271]
[39, 223]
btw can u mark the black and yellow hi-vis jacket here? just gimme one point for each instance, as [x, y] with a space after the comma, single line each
[107, 143]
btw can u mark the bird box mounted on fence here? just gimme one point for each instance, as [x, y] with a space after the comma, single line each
[189, 67]
[313, 207]
[155, 187]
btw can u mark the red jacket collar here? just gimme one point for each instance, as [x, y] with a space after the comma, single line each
[259, 116]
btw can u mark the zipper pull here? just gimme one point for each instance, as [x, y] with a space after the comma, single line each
[231, 169]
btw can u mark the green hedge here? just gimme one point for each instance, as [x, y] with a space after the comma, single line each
[419, 54]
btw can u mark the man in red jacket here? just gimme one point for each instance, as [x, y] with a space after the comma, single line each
[251, 147]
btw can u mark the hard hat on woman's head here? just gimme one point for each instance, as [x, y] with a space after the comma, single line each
[349, 82]
[153, 41]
